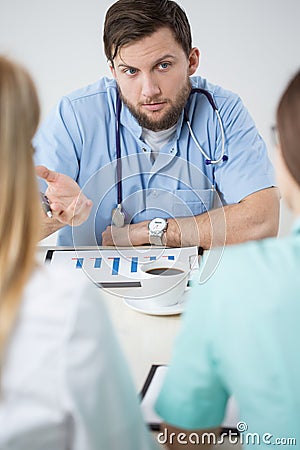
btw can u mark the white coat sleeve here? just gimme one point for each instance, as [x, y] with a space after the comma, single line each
[101, 401]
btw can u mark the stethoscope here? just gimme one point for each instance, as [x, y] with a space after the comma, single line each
[118, 216]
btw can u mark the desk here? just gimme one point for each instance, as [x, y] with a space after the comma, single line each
[145, 339]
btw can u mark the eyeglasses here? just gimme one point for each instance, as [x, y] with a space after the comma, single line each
[275, 136]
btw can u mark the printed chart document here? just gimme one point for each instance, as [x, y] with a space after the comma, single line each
[120, 268]
[150, 393]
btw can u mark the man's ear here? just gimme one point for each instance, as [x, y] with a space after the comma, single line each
[112, 69]
[194, 60]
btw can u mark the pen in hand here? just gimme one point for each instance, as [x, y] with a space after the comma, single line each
[46, 205]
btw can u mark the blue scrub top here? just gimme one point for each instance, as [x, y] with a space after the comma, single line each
[79, 139]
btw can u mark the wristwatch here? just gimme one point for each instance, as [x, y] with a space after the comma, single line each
[157, 227]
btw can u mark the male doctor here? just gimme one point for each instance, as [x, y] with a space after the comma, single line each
[154, 154]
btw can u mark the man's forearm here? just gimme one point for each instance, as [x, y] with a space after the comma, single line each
[255, 217]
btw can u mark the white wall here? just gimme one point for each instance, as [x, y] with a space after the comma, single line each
[248, 46]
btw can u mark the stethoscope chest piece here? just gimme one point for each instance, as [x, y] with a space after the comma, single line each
[118, 217]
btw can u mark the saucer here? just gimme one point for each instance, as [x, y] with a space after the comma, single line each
[171, 310]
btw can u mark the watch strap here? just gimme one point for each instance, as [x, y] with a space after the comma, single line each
[155, 239]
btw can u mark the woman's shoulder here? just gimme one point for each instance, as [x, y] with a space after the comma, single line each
[54, 290]
[278, 256]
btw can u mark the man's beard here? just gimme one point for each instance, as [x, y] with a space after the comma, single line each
[170, 117]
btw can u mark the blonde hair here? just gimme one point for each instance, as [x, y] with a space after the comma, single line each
[19, 196]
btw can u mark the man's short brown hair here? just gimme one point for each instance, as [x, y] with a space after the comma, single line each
[127, 21]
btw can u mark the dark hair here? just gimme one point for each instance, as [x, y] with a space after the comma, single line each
[288, 123]
[131, 20]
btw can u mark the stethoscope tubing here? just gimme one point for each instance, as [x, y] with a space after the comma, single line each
[118, 147]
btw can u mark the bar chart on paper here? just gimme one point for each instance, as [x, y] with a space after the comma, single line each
[120, 267]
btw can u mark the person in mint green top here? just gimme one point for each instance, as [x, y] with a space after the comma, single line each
[240, 334]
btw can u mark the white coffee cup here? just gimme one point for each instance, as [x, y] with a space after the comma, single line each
[163, 283]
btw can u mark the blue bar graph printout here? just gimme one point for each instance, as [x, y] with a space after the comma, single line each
[115, 269]
[120, 266]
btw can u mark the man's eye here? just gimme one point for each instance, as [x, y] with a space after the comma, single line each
[130, 71]
[164, 65]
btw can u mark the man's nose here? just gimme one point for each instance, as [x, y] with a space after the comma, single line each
[150, 87]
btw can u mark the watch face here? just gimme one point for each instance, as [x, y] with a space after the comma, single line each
[157, 225]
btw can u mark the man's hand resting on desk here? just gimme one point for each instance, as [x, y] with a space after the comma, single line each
[134, 234]
[68, 204]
